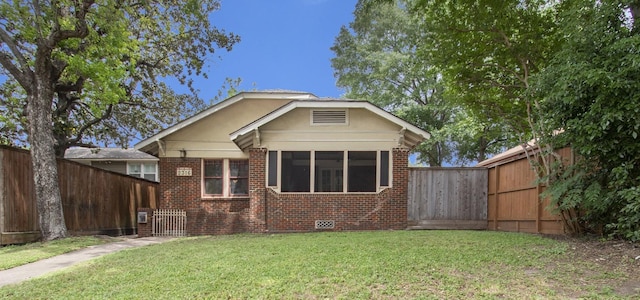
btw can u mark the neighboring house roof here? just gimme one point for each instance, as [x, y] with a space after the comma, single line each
[512, 154]
[269, 94]
[243, 136]
[113, 154]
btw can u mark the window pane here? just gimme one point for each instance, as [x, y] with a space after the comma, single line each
[384, 168]
[213, 168]
[296, 168]
[239, 168]
[150, 176]
[329, 169]
[273, 168]
[213, 186]
[134, 169]
[239, 186]
[149, 168]
[362, 171]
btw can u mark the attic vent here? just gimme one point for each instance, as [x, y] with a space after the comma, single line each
[329, 117]
[325, 224]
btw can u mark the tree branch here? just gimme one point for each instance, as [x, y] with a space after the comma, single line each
[89, 124]
[81, 30]
[22, 73]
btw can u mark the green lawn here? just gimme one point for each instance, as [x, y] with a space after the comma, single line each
[343, 265]
[13, 256]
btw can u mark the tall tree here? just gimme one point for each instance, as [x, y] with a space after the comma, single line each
[376, 59]
[591, 90]
[85, 67]
[488, 51]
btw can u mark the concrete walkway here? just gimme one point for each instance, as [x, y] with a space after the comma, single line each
[41, 267]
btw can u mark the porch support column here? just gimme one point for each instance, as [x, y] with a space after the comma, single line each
[398, 203]
[257, 183]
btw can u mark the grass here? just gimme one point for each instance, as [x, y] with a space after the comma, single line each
[16, 255]
[342, 265]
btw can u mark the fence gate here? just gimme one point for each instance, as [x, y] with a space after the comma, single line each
[169, 222]
[447, 198]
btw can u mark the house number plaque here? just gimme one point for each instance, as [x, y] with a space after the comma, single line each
[183, 172]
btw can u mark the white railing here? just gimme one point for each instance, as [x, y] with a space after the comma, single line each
[169, 222]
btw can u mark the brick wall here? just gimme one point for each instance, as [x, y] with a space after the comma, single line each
[266, 210]
[398, 205]
[257, 169]
[204, 216]
[361, 211]
[353, 211]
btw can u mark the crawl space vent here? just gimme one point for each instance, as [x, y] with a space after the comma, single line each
[330, 117]
[325, 224]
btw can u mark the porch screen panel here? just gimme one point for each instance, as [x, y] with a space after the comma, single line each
[384, 168]
[329, 170]
[273, 168]
[295, 171]
[362, 171]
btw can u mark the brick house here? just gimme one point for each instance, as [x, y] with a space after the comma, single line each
[280, 161]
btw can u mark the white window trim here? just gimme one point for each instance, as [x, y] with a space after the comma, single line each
[226, 180]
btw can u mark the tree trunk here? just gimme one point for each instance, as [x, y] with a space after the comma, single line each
[45, 168]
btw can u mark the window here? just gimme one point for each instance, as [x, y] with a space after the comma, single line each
[143, 170]
[213, 177]
[362, 171]
[329, 169]
[226, 178]
[239, 177]
[295, 171]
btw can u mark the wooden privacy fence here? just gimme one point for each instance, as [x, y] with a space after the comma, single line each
[94, 201]
[447, 198]
[514, 196]
[169, 222]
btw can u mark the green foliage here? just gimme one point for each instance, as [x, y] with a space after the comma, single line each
[108, 78]
[590, 91]
[487, 51]
[377, 60]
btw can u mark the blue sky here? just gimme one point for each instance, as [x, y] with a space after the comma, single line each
[285, 45]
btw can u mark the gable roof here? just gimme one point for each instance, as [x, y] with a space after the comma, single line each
[414, 135]
[269, 94]
[97, 154]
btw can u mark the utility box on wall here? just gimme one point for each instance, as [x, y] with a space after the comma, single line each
[142, 217]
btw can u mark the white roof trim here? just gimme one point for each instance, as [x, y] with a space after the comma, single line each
[225, 103]
[328, 104]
